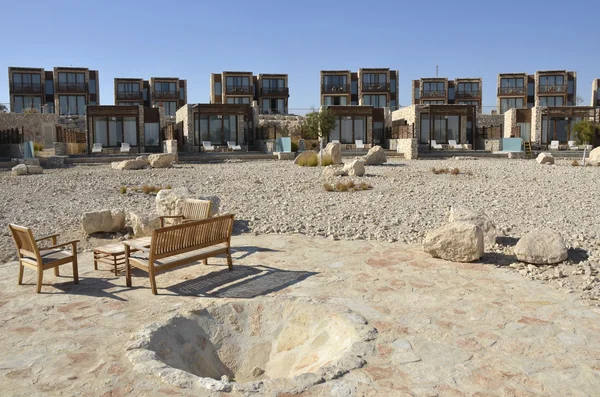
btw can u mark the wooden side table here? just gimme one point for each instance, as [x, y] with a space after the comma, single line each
[114, 254]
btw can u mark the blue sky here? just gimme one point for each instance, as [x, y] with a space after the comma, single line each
[191, 39]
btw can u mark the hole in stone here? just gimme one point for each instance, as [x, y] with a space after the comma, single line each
[256, 340]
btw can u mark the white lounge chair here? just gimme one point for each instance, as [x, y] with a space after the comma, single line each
[231, 145]
[208, 147]
[453, 145]
[572, 145]
[125, 147]
[359, 144]
[554, 145]
[435, 145]
[97, 148]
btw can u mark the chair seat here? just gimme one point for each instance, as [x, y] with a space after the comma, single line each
[142, 257]
[49, 256]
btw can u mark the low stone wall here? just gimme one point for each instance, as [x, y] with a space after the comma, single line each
[409, 147]
[52, 161]
[493, 145]
[265, 146]
[64, 149]
[30, 122]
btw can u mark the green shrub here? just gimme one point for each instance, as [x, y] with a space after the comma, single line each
[123, 190]
[327, 160]
[294, 147]
[341, 187]
[575, 163]
[312, 161]
[169, 187]
[38, 146]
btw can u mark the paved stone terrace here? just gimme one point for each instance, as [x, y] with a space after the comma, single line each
[445, 329]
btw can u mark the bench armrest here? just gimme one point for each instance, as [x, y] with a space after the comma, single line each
[46, 237]
[136, 247]
[72, 242]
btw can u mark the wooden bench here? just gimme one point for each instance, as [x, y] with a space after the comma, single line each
[179, 245]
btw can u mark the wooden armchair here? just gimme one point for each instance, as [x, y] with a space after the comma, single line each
[191, 210]
[44, 258]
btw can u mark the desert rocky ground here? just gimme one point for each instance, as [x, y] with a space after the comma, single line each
[407, 200]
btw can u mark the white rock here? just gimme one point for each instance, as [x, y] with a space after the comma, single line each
[545, 158]
[161, 160]
[20, 169]
[541, 246]
[332, 171]
[34, 169]
[595, 156]
[103, 221]
[136, 164]
[334, 150]
[375, 156]
[143, 224]
[166, 200]
[461, 214]
[456, 242]
[355, 168]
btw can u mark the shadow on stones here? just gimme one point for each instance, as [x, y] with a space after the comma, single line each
[388, 165]
[507, 241]
[241, 226]
[90, 286]
[577, 255]
[497, 259]
[242, 282]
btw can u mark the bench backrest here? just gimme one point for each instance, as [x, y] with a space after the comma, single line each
[189, 236]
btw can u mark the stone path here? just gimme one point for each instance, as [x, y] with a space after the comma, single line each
[445, 329]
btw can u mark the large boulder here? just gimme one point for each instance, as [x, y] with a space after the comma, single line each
[456, 242]
[135, 164]
[161, 160]
[375, 156]
[545, 158]
[103, 221]
[34, 169]
[143, 224]
[541, 247]
[333, 170]
[305, 156]
[355, 168]
[166, 200]
[333, 150]
[20, 169]
[461, 214]
[595, 156]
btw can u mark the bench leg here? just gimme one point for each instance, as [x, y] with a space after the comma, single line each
[115, 263]
[56, 271]
[39, 279]
[229, 261]
[95, 261]
[205, 261]
[75, 270]
[152, 279]
[127, 272]
[21, 268]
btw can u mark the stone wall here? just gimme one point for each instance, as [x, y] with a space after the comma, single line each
[493, 145]
[185, 116]
[594, 91]
[142, 130]
[30, 122]
[75, 122]
[490, 120]
[410, 114]
[290, 125]
[409, 147]
[536, 125]
[510, 122]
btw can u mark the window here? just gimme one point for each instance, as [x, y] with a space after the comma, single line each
[393, 104]
[374, 79]
[238, 81]
[335, 83]
[393, 86]
[512, 85]
[468, 89]
[71, 81]
[218, 129]
[354, 87]
[551, 82]
[450, 94]
[239, 100]
[468, 103]
[151, 134]
[127, 88]
[348, 129]
[377, 101]
[22, 103]
[417, 93]
[182, 93]
[273, 106]
[509, 103]
[218, 89]
[170, 107]
[530, 89]
[145, 94]
[551, 101]
[112, 131]
[92, 103]
[570, 87]
[430, 102]
[49, 87]
[336, 100]
[440, 128]
[27, 82]
[126, 103]
[353, 103]
[93, 86]
[49, 107]
[72, 104]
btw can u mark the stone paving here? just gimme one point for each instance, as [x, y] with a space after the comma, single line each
[444, 329]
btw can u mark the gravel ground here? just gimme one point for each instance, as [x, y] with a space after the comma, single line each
[406, 201]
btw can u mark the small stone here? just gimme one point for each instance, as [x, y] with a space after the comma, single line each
[256, 372]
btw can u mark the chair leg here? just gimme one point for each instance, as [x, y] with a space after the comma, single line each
[56, 271]
[127, 272]
[21, 267]
[152, 278]
[75, 270]
[39, 280]
[205, 261]
[229, 261]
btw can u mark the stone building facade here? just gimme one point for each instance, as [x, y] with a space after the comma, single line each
[595, 93]
[441, 91]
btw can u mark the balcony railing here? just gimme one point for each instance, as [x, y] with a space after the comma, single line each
[376, 87]
[555, 88]
[274, 91]
[129, 95]
[272, 111]
[165, 95]
[340, 88]
[239, 90]
[512, 91]
[467, 94]
[27, 88]
[72, 87]
[434, 94]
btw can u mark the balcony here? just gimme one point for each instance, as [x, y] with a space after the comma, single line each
[72, 87]
[335, 88]
[554, 89]
[434, 94]
[131, 95]
[272, 111]
[512, 91]
[239, 90]
[274, 91]
[375, 87]
[467, 94]
[27, 88]
[165, 95]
